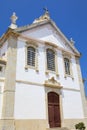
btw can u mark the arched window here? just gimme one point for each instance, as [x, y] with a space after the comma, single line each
[50, 59]
[31, 56]
[67, 66]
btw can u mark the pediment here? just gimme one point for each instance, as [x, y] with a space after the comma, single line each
[52, 83]
[47, 31]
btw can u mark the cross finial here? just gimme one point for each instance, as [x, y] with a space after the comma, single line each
[45, 9]
[46, 13]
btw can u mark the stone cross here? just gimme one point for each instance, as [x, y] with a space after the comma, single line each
[45, 9]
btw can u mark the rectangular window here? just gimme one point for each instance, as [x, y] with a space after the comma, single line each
[31, 56]
[50, 60]
[67, 65]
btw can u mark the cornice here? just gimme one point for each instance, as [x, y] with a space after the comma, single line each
[2, 79]
[28, 82]
[29, 39]
[14, 33]
[46, 84]
[52, 83]
[31, 26]
[2, 61]
[71, 89]
[28, 27]
[9, 32]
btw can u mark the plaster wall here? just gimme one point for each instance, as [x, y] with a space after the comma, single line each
[24, 92]
[29, 102]
[39, 77]
[72, 105]
[71, 81]
[47, 33]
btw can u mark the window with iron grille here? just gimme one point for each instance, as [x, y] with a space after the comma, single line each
[31, 56]
[50, 60]
[67, 65]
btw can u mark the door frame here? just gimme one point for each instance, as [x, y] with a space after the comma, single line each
[57, 91]
[51, 106]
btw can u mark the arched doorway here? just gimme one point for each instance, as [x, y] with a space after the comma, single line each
[54, 110]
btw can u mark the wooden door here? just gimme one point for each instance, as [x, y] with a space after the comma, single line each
[54, 110]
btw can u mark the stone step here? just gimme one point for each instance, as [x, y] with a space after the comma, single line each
[58, 128]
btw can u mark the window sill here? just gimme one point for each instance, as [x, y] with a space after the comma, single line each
[66, 75]
[31, 67]
[53, 72]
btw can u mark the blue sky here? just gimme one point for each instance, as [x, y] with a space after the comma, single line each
[69, 15]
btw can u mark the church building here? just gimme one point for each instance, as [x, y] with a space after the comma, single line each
[41, 86]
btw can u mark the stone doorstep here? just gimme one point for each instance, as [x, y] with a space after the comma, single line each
[58, 128]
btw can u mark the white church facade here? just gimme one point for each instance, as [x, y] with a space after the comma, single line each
[41, 86]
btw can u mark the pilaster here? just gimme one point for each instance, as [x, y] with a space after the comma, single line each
[9, 86]
[84, 100]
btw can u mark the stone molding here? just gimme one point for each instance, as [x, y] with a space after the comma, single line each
[47, 43]
[9, 85]
[35, 46]
[10, 32]
[28, 82]
[52, 83]
[42, 85]
[84, 100]
[56, 60]
[66, 55]
[2, 61]
[2, 79]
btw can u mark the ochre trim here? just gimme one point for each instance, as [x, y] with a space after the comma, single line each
[70, 89]
[30, 124]
[47, 43]
[28, 82]
[84, 100]
[16, 34]
[48, 83]
[66, 55]
[9, 85]
[56, 60]
[2, 79]
[4, 37]
[52, 83]
[7, 118]
[43, 85]
[57, 91]
[2, 61]
[34, 45]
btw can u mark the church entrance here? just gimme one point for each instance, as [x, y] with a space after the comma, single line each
[54, 110]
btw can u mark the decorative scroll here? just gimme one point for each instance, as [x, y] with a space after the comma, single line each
[52, 83]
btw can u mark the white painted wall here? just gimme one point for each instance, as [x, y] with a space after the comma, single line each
[72, 105]
[39, 77]
[24, 93]
[30, 99]
[30, 74]
[47, 33]
[29, 102]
